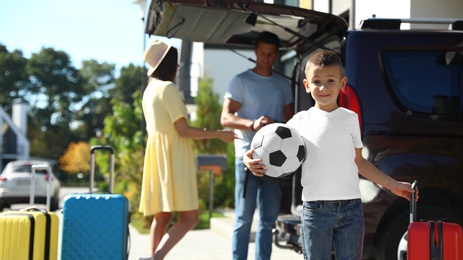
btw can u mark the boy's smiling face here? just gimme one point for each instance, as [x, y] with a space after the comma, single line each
[324, 84]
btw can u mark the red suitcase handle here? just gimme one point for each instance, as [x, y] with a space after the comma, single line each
[413, 203]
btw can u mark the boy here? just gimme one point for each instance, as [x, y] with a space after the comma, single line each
[332, 214]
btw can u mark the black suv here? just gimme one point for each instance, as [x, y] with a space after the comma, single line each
[405, 85]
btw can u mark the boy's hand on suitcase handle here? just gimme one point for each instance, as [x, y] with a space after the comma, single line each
[405, 190]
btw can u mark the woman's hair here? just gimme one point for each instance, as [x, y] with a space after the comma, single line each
[168, 66]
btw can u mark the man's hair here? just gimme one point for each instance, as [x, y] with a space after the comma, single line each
[325, 58]
[168, 66]
[269, 38]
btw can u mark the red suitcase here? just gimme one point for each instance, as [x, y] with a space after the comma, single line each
[433, 240]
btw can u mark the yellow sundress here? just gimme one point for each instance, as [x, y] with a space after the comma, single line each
[169, 172]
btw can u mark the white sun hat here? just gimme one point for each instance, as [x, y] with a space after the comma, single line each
[154, 55]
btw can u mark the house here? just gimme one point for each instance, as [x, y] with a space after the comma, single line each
[14, 144]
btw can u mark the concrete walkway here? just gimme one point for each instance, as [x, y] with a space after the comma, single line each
[213, 244]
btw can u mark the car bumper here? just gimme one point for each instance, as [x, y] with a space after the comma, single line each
[288, 229]
[21, 200]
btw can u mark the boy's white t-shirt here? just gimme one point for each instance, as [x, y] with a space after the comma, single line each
[329, 171]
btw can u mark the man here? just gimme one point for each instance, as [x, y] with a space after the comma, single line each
[255, 98]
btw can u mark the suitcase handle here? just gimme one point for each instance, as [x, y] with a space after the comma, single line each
[92, 166]
[413, 203]
[33, 209]
[101, 147]
[35, 168]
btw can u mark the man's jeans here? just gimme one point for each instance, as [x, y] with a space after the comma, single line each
[328, 225]
[266, 196]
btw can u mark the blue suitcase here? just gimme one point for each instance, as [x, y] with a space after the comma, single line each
[95, 225]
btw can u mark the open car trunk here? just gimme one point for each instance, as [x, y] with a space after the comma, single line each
[231, 23]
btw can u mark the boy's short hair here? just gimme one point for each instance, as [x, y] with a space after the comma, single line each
[325, 58]
[269, 38]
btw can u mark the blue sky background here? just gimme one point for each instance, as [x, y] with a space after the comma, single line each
[105, 30]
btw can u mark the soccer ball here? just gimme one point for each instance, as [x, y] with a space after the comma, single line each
[280, 147]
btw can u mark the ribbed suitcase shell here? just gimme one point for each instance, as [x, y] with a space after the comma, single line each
[419, 241]
[95, 226]
[30, 234]
[436, 240]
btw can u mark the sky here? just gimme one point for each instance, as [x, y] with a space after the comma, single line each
[104, 30]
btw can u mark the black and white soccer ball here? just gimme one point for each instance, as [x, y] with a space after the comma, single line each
[280, 147]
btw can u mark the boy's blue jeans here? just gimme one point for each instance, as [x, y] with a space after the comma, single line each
[328, 225]
[266, 196]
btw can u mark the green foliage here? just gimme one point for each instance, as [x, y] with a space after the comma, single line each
[130, 80]
[13, 77]
[225, 182]
[53, 77]
[208, 116]
[98, 79]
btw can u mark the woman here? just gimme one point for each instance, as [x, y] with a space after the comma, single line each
[169, 174]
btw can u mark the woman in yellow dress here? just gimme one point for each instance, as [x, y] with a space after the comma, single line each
[169, 174]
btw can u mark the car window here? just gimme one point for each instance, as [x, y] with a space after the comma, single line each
[425, 81]
[25, 169]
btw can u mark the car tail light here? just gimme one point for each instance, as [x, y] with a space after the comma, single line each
[348, 98]
[3, 178]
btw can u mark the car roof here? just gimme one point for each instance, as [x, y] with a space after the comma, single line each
[14, 164]
[28, 162]
[237, 23]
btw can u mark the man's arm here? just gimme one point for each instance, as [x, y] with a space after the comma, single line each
[288, 112]
[228, 118]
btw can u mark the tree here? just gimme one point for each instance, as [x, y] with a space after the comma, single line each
[208, 116]
[13, 77]
[76, 159]
[67, 104]
[56, 87]
[98, 79]
[127, 84]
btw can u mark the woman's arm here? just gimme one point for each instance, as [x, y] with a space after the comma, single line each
[185, 130]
